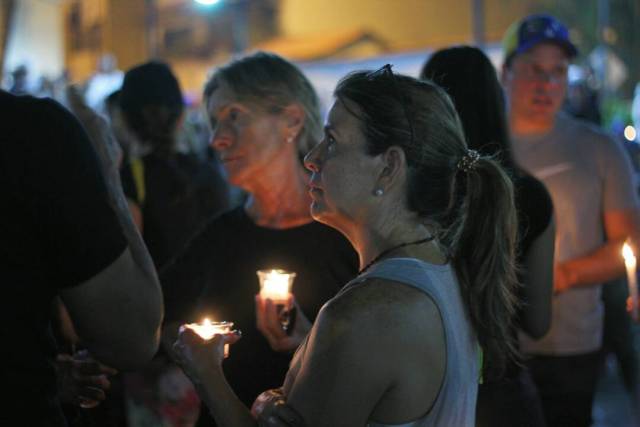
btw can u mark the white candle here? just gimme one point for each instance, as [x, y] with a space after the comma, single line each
[207, 329]
[276, 285]
[630, 264]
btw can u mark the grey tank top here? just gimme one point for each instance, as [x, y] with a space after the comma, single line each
[455, 405]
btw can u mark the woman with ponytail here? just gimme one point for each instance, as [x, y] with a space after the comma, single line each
[434, 225]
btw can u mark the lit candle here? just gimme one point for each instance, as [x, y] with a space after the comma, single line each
[276, 285]
[630, 263]
[207, 329]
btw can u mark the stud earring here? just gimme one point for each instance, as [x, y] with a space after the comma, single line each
[290, 139]
[378, 192]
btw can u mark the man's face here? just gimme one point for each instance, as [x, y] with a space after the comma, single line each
[536, 83]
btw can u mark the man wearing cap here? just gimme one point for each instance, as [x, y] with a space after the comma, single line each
[596, 209]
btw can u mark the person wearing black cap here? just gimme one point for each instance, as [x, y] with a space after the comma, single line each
[177, 193]
[590, 181]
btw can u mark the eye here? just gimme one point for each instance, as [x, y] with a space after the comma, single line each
[331, 143]
[234, 114]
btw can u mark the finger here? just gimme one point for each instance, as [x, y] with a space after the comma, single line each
[273, 324]
[92, 367]
[287, 415]
[64, 358]
[233, 337]
[92, 393]
[189, 338]
[94, 381]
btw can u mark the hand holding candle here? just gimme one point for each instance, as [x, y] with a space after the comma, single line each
[630, 264]
[275, 285]
[207, 329]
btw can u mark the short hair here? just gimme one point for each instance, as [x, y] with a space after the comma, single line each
[270, 82]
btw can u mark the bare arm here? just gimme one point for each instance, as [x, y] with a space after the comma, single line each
[117, 312]
[538, 283]
[605, 263]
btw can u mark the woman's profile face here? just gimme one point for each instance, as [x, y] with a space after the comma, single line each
[247, 138]
[343, 174]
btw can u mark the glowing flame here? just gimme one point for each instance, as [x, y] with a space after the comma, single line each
[207, 329]
[627, 253]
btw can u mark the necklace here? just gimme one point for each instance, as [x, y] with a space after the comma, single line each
[393, 248]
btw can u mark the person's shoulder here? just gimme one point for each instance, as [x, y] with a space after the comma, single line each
[583, 129]
[378, 300]
[27, 106]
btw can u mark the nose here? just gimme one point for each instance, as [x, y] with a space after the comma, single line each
[312, 159]
[220, 140]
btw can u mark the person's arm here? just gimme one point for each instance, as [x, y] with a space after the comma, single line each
[605, 263]
[116, 311]
[538, 283]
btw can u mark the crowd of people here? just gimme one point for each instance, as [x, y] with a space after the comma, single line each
[456, 239]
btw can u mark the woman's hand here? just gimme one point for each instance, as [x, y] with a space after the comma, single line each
[271, 410]
[201, 358]
[83, 381]
[268, 323]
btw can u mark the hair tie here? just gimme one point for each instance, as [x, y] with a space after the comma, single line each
[468, 161]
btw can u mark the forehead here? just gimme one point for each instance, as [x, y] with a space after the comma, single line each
[220, 98]
[342, 116]
[544, 53]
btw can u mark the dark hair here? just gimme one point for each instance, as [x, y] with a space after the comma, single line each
[152, 104]
[271, 83]
[470, 79]
[473, 212]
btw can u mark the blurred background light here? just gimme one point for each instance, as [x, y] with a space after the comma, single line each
[630, 133]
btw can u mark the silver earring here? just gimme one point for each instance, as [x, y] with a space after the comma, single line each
[290, 139]
[378, 192]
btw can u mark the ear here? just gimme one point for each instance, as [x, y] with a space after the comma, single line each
[394, 168]
[294, 117]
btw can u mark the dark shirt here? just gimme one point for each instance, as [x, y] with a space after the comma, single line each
[534, 208]
[182, 192]
[57, 230]
[219, 271]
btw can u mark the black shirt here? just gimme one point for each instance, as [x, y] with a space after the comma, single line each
[56, 230]
[216, 277]
[181, 193]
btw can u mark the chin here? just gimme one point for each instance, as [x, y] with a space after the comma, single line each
[319, 213]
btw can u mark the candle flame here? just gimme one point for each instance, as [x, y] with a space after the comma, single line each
[627, 252]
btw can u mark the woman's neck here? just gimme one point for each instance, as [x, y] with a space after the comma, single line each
[373, 239]
[280, 200]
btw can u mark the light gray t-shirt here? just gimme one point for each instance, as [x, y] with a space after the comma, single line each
[587, 173]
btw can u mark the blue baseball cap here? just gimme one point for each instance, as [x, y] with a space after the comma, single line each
[533, 30]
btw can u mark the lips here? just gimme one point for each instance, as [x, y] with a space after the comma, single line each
[229, 159]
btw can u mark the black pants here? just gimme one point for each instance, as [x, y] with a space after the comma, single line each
[618, 334]
[566, 385]
[511, 402]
